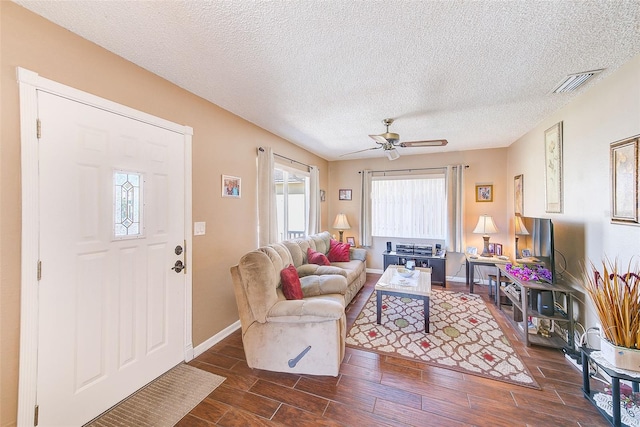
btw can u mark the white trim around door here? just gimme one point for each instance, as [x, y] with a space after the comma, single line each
[29, 84]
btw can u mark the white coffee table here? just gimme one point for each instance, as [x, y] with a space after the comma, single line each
[416, 287]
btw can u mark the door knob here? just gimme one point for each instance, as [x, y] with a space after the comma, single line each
[178, 250]
[178, 266]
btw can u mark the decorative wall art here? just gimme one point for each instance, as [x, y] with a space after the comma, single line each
[553, 168]
[484, 193]
[624, 181]
[231, 186]
[344, 194]
[518, 194]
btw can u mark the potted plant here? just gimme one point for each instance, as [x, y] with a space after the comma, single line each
[616, 298]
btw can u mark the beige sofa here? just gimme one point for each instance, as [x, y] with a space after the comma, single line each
[298, 336]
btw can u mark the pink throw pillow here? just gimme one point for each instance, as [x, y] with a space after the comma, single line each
[338, 252]
[319, 258]
[291, 286]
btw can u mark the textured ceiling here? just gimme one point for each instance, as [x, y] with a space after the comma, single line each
[323, 74]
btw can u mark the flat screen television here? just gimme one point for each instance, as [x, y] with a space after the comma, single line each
[537, 246]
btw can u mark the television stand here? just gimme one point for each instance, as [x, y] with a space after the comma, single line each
[523, 308]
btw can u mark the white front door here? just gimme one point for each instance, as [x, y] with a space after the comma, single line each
[111, 309]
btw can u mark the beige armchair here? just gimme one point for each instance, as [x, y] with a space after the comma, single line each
[298, 336]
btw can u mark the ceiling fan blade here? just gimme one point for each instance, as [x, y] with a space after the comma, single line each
[360, 151]
[428, 143]
[379, 139]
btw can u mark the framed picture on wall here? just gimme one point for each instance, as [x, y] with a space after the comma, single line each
[344, 194]
[624, 181]
[231, 186]
[553, 168]
[518, 195]
[484, 193]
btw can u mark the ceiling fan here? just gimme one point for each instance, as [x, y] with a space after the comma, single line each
[388, 141]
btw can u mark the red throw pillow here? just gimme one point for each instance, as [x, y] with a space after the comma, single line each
[319, 258]
[291, 286]
[338, 252]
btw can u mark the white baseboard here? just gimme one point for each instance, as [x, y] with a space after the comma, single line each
[197, 351]
[374, 271]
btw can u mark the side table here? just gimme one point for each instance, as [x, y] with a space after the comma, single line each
[473, 260]
[615, 386]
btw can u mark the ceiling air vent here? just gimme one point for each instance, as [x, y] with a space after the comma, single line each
[574, 81]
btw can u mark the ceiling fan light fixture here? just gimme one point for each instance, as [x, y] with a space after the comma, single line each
[574, 81]
[392, 154]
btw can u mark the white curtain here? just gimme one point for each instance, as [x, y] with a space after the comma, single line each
[313, 226]
[365, 208]
[455, 197]
[267, 219]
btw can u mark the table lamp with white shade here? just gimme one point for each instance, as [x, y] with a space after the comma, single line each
[485, 227]
[521, 230]
[341, 224]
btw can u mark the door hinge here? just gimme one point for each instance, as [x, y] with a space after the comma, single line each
[38, 128]
[35, 415]
[39, 270]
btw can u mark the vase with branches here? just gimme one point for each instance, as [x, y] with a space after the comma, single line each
[616, 297]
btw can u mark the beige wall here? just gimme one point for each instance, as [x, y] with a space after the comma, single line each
[222, 144]
[608, 112]
[485, 167]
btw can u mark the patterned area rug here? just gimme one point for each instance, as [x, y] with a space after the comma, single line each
[164, 401]
[464, 335]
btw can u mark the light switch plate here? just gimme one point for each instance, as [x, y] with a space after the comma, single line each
[199, 228]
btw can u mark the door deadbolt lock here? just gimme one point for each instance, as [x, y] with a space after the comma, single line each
[178, 266]
[178, 250]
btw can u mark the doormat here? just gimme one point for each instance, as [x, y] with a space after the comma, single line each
[464, 335]
[162, 402]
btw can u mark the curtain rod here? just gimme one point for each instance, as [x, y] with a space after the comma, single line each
[413, 169]
[286, 158]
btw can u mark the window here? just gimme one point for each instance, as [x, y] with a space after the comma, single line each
[292, 202]
[410, 207]
[127, 208]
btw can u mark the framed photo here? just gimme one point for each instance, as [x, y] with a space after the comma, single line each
[231, 186]
[498, 249]
[553, 168]
[492, 248]
[526, 253]
[344, 194]
[624, 181]
[484, 193]
[472, 250]
[518, 195]
[351, 241]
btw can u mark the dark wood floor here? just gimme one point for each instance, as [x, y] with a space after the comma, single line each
[377, 390]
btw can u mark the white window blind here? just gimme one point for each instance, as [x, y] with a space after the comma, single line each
[410, 207]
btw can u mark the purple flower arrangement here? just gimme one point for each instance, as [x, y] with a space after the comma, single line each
[530, 273]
